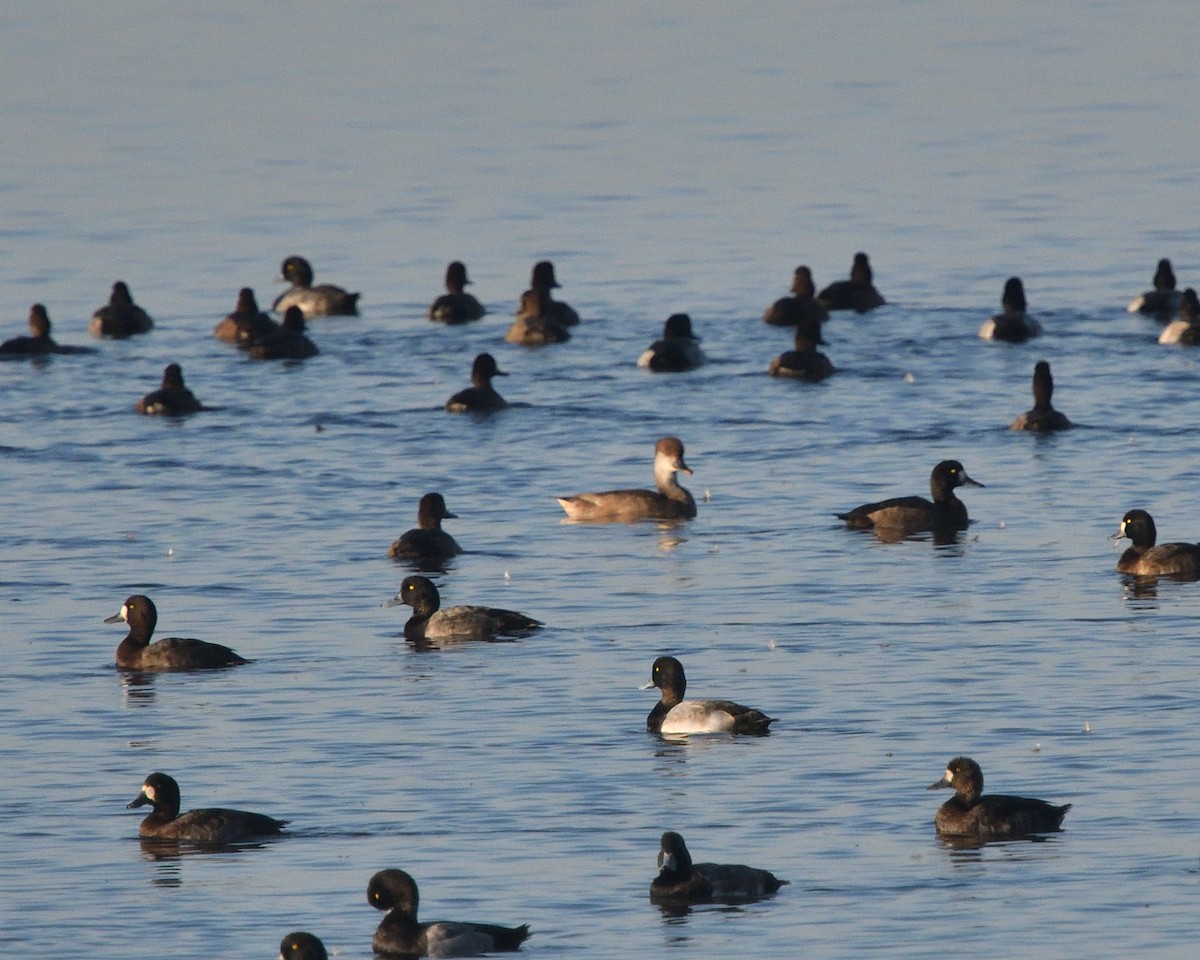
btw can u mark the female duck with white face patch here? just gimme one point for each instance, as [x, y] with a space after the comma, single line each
[136, 652]
[205, 825]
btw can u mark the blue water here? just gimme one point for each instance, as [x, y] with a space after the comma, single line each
[667, 158]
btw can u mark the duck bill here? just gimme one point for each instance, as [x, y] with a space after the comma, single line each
[944, 782]
[139, 801]
[965, 481]
[118, 617]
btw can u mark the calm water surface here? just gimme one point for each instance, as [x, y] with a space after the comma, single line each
[667, 159]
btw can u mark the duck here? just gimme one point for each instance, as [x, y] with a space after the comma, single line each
[430, 622]
[536, 324]
[323, 300]
[1145, 559]
[481, 396]
[247, 323]
[172, 399]
[1163, 300]
[1013, 325]
[39, 342]
[428, 542]
[908, 515]
[289, 343]
[542, 279]
[302, 946]
[205, 825]
[681, 881]
[456, 305]
[858, 293]
[674, 715]
[136, 652]
[805, 362]
[1043, 418]
[1185, 328]
[970, 814]
[669, 501]
[678, 350]
[120, 317]
[801, 305]
[401, 934]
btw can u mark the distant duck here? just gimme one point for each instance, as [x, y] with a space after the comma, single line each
[805, 362]
[802, 305]
[121, 317]
[675, 715]
[678, 350]
[214, 825]
[430, 622]
[542, 279]
[1043, 418]
[858, 293]
[969, 814]
[172, 399]
[400, 934]
[1013, 325]
[136, 652]
[481, 396]
[247, 323]
[456, 305]
[669, 501]
[323, 300]
[1162, 301]
[536, 323]
[680, 881]
[302, 946]
[39, 343]
[289, 343]
[1146, 558]
[908, 515]
[1185, 328]
[428, 543]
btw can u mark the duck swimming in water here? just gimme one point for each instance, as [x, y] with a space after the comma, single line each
[669, 501]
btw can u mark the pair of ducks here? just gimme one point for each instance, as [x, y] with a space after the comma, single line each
[540, 318]
[118, 319]
[857, 293]
[400, 934]
[249, 329]
[968, 814]
[1165, 302]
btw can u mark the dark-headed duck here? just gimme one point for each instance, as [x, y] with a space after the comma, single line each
[430, 622]
[679, 348]
[456, 305]
[908, 515]
[481, 396]
[680, 881]
[1043, 417]
[858, 293]
[120, 317]
[1146, 558]
[675, 715]
[323, 300]
[213, 825]
[971, 815]
[428, 542]
[401, 934]
[136, 652]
